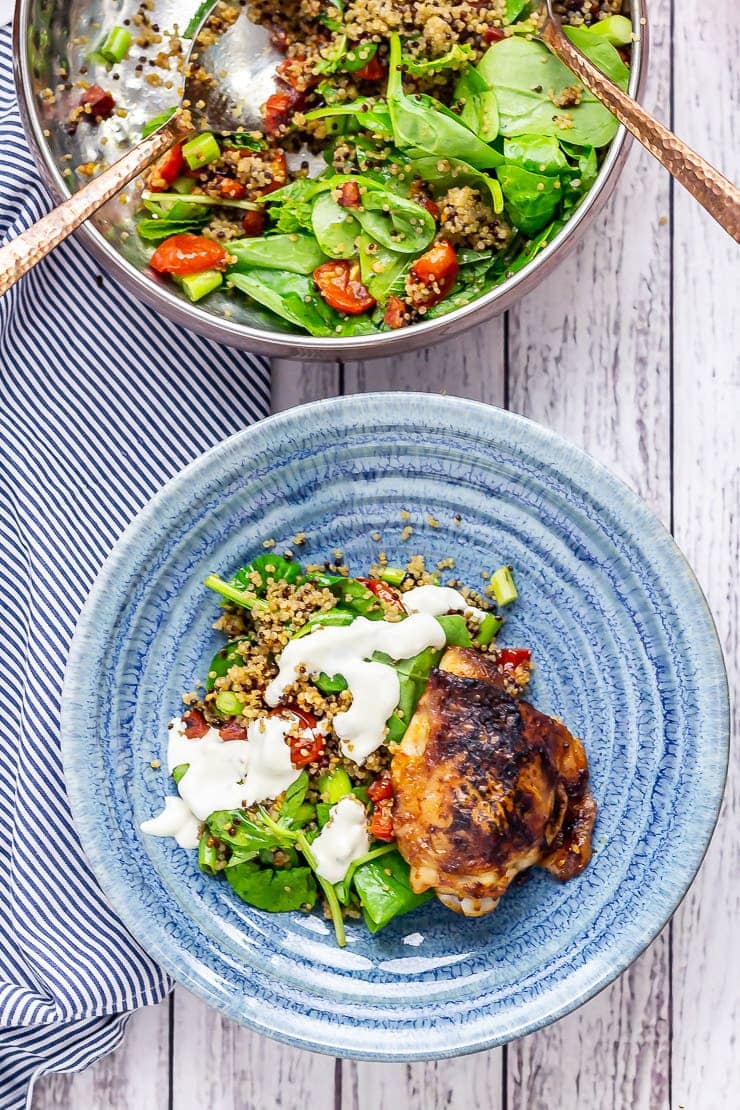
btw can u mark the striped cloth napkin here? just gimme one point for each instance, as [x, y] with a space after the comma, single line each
[101, 401]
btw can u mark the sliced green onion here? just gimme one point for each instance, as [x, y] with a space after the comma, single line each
[335, 786]
[394, 576]
[179, 771]
[200, 285]
[487, 630]
[116, 44]
[229, 703]
[157, 122]
[201, 150]
[496, 195]
[201, 198]
[502, 584]
[239, 597]
[197, 18]
[183, 185]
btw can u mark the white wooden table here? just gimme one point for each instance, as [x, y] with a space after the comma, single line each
[631, 349]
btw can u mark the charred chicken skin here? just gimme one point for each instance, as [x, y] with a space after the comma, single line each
[486, 786]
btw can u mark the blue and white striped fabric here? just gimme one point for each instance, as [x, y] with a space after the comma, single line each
[100, 403]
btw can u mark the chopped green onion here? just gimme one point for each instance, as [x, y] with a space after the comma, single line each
[239, 597]
[394, 576]
[179, 771]
[183, 185]
[497, 196]
[116, 45]
[335, 786]
[487, 629]
[201, 198]
[201, 150]
[200, 285]
[502, 584]
[157, 122]
[229, 703]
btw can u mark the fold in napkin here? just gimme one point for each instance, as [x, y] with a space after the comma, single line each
[101, 401]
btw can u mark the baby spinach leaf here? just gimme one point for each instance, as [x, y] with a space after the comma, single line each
[379, 281]
[397, 223]
[156, 231]
[277, 891]
[536, 153]
[384, 889]
[293, 297]
[293, 799]
[269, 568]
[224, 660]
[514, 9]
[241, 833]
[455, 630]
[335, 228]
[207, 854]
[424, 126]
[532, 199]
[300, 254]
[524, 75]
[479, 104]
[443, 174]
[455, 57]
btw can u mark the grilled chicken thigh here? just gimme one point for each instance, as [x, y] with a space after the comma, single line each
[485, 787]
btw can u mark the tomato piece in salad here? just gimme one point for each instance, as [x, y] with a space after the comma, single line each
[195, 724]
[340, 286]
[165, 171]
[433, 276]
[188, 254]
[308, 743]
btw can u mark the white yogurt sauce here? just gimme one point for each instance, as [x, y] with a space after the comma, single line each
[438, 600]
[225, 774]
[174, 820]
[374, 687]
[343, 839]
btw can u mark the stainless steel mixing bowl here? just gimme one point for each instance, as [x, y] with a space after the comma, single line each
[53, 38]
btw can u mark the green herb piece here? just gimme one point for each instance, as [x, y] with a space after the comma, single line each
[292, 888]
[158, 121]
[207, 854]
[456, 57]
[201, 150]
[299, 254]
[224, 659]
[394, 576]
[115, 45]
[487, 630]
[330, 685]
[229, 704]
[502, 584]
[197, 286]
[179, 771]
[357, 57]
[455, 630]
[385, 892]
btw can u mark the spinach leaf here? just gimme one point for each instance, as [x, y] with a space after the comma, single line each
[480, 107]
[424, 126]
[268, 568]
[293, 800]
[241, 833]
[277, 891]
[291, 296]
[379, 282]
[299, 254]
[397, 223]
[335, 228]
[455, 57]
[385, 890]
[455, 630]
[442, 174]
[156, 231]
[532, 199]
[224, 660]
[537, 153]
[207, 854]
[514, 9]
[524, 74]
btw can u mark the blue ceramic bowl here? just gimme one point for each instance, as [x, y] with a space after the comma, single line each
[626, 654]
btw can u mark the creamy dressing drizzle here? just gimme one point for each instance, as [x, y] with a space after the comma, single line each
[174, 820]
[343, 839]
[438, 600]
[374, 687]
[225, 774]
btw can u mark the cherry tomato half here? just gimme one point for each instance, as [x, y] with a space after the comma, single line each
[380, 788]
[340, 286]
[232, 730]
[188, 254]
[381, 823]
[374, 70]
[307, 744]
[195, 723]
[436, 272]
[396, 313]
[382, 591]
[164, 171]
[253, 222]
[513, 657]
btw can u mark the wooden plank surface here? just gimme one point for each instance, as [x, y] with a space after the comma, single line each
[631, 350]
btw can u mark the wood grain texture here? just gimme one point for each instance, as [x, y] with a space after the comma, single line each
[594, 365]
[136, 1075]
[706, 356]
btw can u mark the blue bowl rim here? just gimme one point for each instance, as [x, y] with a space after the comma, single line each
[385, 405]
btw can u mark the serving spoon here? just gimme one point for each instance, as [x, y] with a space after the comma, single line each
[239, 55]
[706, 184]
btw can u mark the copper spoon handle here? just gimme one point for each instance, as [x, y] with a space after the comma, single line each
[32, 245]
[718, 195]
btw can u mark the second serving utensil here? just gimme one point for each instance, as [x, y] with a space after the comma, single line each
[711, 188]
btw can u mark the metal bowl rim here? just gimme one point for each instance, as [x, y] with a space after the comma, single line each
[293, 345]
